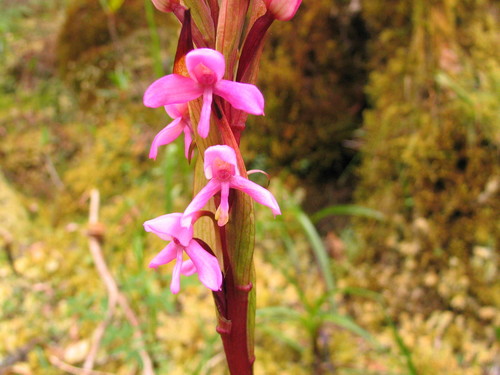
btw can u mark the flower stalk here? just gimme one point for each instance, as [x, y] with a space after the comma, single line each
[209, 96]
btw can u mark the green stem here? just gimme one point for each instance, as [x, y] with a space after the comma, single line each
[155, 39]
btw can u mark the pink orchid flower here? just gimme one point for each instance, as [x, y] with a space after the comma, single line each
[283, 10]
[180, 114]
[221, 169]
[206, 68]
[168, 228]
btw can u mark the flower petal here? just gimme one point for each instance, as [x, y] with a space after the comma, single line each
[166, 136]
[222, 152]
[165, 256]
[188, 268]
[171, 89]
[206, 110]
[199, 201]
[175, 284]
[206, 265]
[243, 96]
[168, 227]
[212, 59]
[188, 139]
[176, 110]
[257, 192]
[222, 213]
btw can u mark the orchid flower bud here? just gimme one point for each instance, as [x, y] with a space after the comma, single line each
[283, 10]
[166, 5]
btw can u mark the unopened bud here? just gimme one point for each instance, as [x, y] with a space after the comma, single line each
[283, 10]
[166, 5]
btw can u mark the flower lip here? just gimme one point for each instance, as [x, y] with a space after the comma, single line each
[225, 154]
[222, 170]
[204, 75]
[210, 60]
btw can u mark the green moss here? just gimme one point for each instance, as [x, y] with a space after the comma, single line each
[312, 76]
[430, 152]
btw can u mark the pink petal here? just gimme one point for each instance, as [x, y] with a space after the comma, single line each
[199, 201]
[188, 139]
[243, 96]
[176, 110]
[283, 10]
[166, 136]
[257, 192]
[175, 284]
[188, 268]
[222, 214]
[222, 152]
[206, 265]
[206, 110]
[165, 256]
[168, 227]
[171, 89]
[212, 59]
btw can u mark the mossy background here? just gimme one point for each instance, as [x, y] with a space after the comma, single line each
[389, 105]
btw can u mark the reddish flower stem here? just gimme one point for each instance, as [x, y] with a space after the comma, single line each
[233, 322]
[233, 328]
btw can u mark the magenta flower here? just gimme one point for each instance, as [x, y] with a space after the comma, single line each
[168, 228]
[179, 112]
[222, 171]
[283, 10]
[206, 68]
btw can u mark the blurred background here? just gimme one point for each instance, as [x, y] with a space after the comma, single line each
[381, 134]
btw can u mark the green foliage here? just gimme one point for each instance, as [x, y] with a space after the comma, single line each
[86, 22]
[103, 30]
[430, 166]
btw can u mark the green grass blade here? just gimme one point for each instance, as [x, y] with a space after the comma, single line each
[277, 334]
[278, 312]
[318, 248]
[349, 324]
[347, 210]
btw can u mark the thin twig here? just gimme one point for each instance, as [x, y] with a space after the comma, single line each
[115, 296]
[72, 369]
[99, 333]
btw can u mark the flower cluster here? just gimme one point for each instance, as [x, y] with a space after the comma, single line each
[206, 68]
[209, 96]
